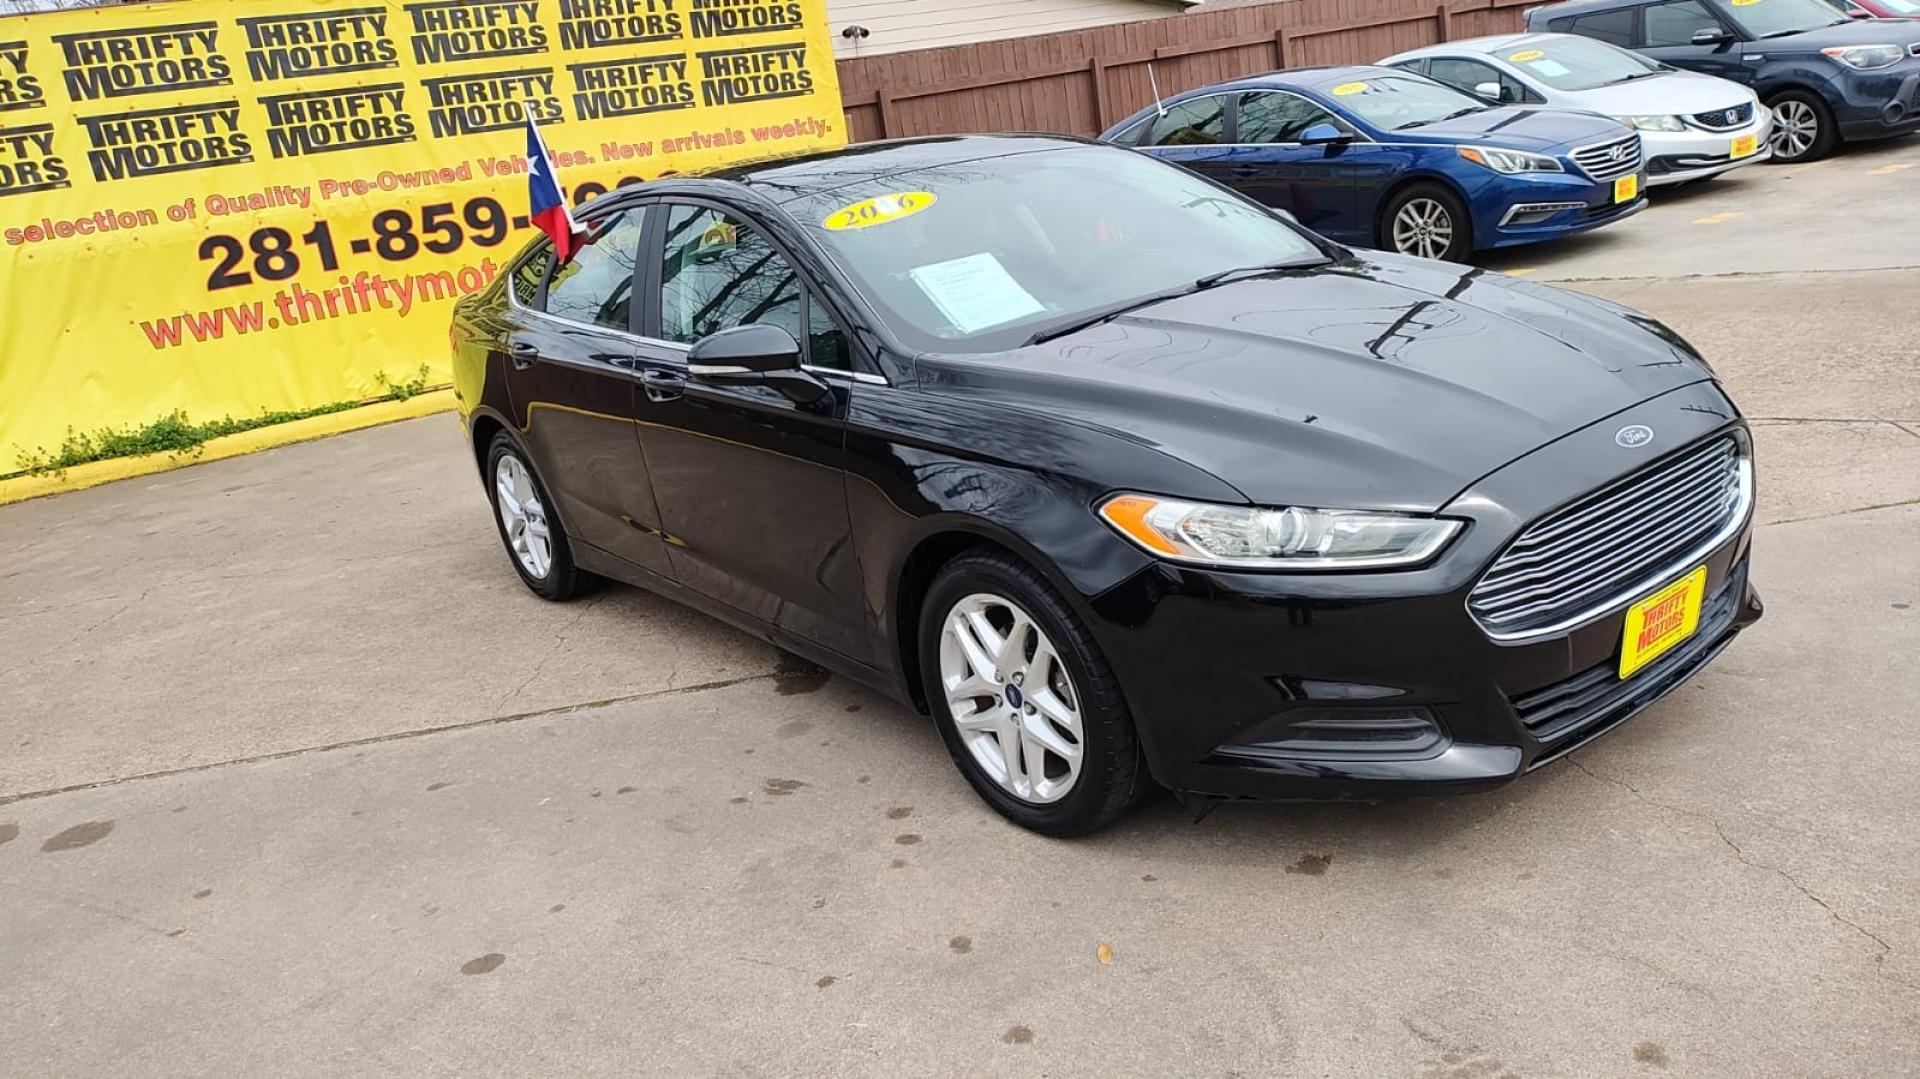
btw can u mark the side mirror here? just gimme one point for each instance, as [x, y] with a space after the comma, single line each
[1710, 36]
[1323, 135]
[1488, 90]
[754, 355]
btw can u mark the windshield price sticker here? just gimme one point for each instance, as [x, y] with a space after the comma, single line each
[1523, 57]
[1346, 89]
[878, 210]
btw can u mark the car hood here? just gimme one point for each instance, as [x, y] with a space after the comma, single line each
[1374, 382]
[1678, 92]
[1518, 129]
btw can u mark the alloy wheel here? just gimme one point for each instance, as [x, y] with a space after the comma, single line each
[1423, 227]
[1795, 127]
[1011, 698]
[528, 533]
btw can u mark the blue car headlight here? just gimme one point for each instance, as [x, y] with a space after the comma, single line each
[1510, 161]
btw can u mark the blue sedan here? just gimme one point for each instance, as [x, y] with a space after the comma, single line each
[1378, 157]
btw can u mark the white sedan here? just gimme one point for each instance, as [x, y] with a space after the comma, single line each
[1693, 126]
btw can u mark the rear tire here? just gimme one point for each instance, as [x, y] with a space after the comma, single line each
[1803, 127]
[1043, 733]
[1428, 221]
[522, 512]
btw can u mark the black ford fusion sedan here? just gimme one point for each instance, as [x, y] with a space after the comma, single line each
[1122, 477]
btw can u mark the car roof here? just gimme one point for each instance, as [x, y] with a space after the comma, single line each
[1484, 46]
[1579, 7]
[1303, 78]
[783, 179]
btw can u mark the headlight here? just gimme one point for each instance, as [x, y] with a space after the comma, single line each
[1653, 123]
[1866, 57]
[1246, 537]
[1510, 161]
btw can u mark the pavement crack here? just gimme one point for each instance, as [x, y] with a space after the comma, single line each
[559, 642]
[1740, 854]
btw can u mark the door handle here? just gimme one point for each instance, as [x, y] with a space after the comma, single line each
[1243, 170]
[663, 385]
[523, 354]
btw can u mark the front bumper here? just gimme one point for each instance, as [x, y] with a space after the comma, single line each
[1878, 104]
[1220, 667]
[1545, 206]
[1675, 157]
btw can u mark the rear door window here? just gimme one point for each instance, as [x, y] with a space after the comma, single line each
[1199, 122]
[1613, 27]
[595, 287]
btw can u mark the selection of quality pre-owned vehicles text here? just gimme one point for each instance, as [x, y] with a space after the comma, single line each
[1381, 157]
[1692, 126]
[1122, 476]
[1826, 76]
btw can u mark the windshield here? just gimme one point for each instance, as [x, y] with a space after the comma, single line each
[977, 256]
[1578, 63]
[1398, 102]
[1777, 18]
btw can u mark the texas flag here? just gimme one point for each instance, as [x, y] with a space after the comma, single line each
[547, 206]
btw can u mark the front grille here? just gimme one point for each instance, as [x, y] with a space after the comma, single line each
[1580, 561]
[1606, 160]
[1725, 119]
[1598, 695]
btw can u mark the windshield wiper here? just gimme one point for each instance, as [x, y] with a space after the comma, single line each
[1106, 314]
[1443, 119]
[1790, 33]
[1283, 265]
[1635, 75]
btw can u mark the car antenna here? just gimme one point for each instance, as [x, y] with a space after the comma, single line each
[1155, 83]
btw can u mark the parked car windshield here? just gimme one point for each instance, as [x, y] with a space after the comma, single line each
[1777, 18]
[1398, 102]
[1579, 63]
[977, 256]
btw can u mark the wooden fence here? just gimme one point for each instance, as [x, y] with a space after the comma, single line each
[1081, 81]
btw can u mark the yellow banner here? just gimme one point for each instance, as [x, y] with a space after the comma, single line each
[230, 206]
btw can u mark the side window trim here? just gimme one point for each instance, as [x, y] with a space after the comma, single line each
[655, 244]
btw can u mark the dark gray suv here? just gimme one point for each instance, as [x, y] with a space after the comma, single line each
[1826, 77]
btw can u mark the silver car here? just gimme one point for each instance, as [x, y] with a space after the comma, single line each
[1693, 126]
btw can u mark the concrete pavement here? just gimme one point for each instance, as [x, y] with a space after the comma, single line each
[294, 776]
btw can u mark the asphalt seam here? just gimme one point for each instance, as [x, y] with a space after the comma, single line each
[1729, 273]
[377, 739]
[1739, 853]
[1842, 513]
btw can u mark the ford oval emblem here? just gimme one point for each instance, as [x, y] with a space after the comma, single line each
[1633, 436]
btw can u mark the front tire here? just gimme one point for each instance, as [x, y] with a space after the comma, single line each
[1803, 127]
[535, 542]
[1028, 707]
[1428, 221]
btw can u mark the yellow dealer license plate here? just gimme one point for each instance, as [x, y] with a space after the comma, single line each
[1626, 188]
[1745, 145]
[1662, 620]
